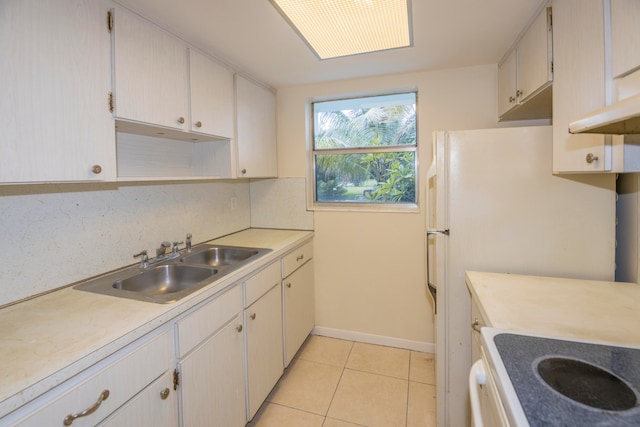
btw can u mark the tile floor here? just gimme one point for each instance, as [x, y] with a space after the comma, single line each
[337, 383]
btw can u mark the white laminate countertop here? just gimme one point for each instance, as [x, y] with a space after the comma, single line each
[565, 308]
[46, 340]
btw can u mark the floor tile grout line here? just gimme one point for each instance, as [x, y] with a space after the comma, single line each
[339, 380]
[294, 408]
[406, 409]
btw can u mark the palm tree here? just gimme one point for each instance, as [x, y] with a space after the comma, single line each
[372, 127]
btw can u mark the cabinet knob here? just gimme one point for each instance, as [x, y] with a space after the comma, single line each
[239, 328]
[198, 124]
[181, 120]
[252, 316]
[288, 285]
[519, 93]
[96, 169]
[476, 325]
[164, 394]
[511, 99]
[243, 171]
[591, 158]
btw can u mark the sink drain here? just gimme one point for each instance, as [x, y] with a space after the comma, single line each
[587, 384]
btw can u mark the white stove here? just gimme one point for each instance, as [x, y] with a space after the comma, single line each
[544, 381]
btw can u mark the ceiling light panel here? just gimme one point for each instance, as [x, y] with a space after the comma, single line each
[334, 28]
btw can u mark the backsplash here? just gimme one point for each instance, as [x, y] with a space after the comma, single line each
[280, 203]
[55, 234]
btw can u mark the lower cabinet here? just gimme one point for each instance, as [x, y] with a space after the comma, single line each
[299, 314]
[211, 369]
[102, 390]
[212, 380]
[156, 405]
[298, 298]
[263, 319]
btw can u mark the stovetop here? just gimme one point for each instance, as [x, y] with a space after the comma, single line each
[582, 380]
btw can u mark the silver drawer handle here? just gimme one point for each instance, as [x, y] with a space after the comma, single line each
[68, 420]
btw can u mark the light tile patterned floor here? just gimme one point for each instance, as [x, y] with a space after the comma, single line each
[337, 383]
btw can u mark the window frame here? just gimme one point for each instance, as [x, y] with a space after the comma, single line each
[313, 204]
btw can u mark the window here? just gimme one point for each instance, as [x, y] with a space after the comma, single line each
[365, 151]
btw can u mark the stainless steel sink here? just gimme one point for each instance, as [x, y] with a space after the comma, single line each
[170, 279]
[165, 279]
[217, 256]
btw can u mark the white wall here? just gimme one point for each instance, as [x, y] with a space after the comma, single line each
[627, 233]
[52, 235]
[370, 266]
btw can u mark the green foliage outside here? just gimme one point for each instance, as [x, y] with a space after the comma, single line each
[387, 177]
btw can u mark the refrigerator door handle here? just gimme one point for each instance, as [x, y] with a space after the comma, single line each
[433, 232]
[432, 288]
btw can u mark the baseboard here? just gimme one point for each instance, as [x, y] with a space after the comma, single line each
[424, 347]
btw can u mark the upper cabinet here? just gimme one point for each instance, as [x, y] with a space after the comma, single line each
[173, 105]
[525, 74]
[255, 130]
[150, 73]
[211, 90]
[595, 50]
[578, 46]
[161, 82]
[625, 37]
[507, 83]
[55, 89]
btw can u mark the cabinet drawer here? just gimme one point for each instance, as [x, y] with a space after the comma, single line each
[258, 284]
[203, 322]
[123, 375]
[295, 259]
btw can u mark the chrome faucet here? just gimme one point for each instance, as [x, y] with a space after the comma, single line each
[144, 260]
[188, 242]
[162, 250]
[175, 248]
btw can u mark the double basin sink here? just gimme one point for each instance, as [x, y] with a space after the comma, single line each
[175, 276]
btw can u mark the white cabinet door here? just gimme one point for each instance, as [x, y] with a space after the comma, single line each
[625, 36]
[263, 320]
[211, 88]
[55, 68]
[507, 83]
[534, 57]
[579, 82]
[299, 312]
[150, 73]
[255, 130]
[212, 381]
[525, 74]
[156, 406]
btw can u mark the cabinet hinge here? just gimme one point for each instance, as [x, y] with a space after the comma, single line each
[110, 20]
[112, 102]
[551, 66]
[176, 379]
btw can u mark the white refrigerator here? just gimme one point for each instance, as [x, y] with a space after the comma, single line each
[494, 205]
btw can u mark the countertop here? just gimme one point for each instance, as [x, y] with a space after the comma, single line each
[48, 339]
[565, 308]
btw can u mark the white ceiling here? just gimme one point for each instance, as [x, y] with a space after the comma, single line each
[252, 37]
